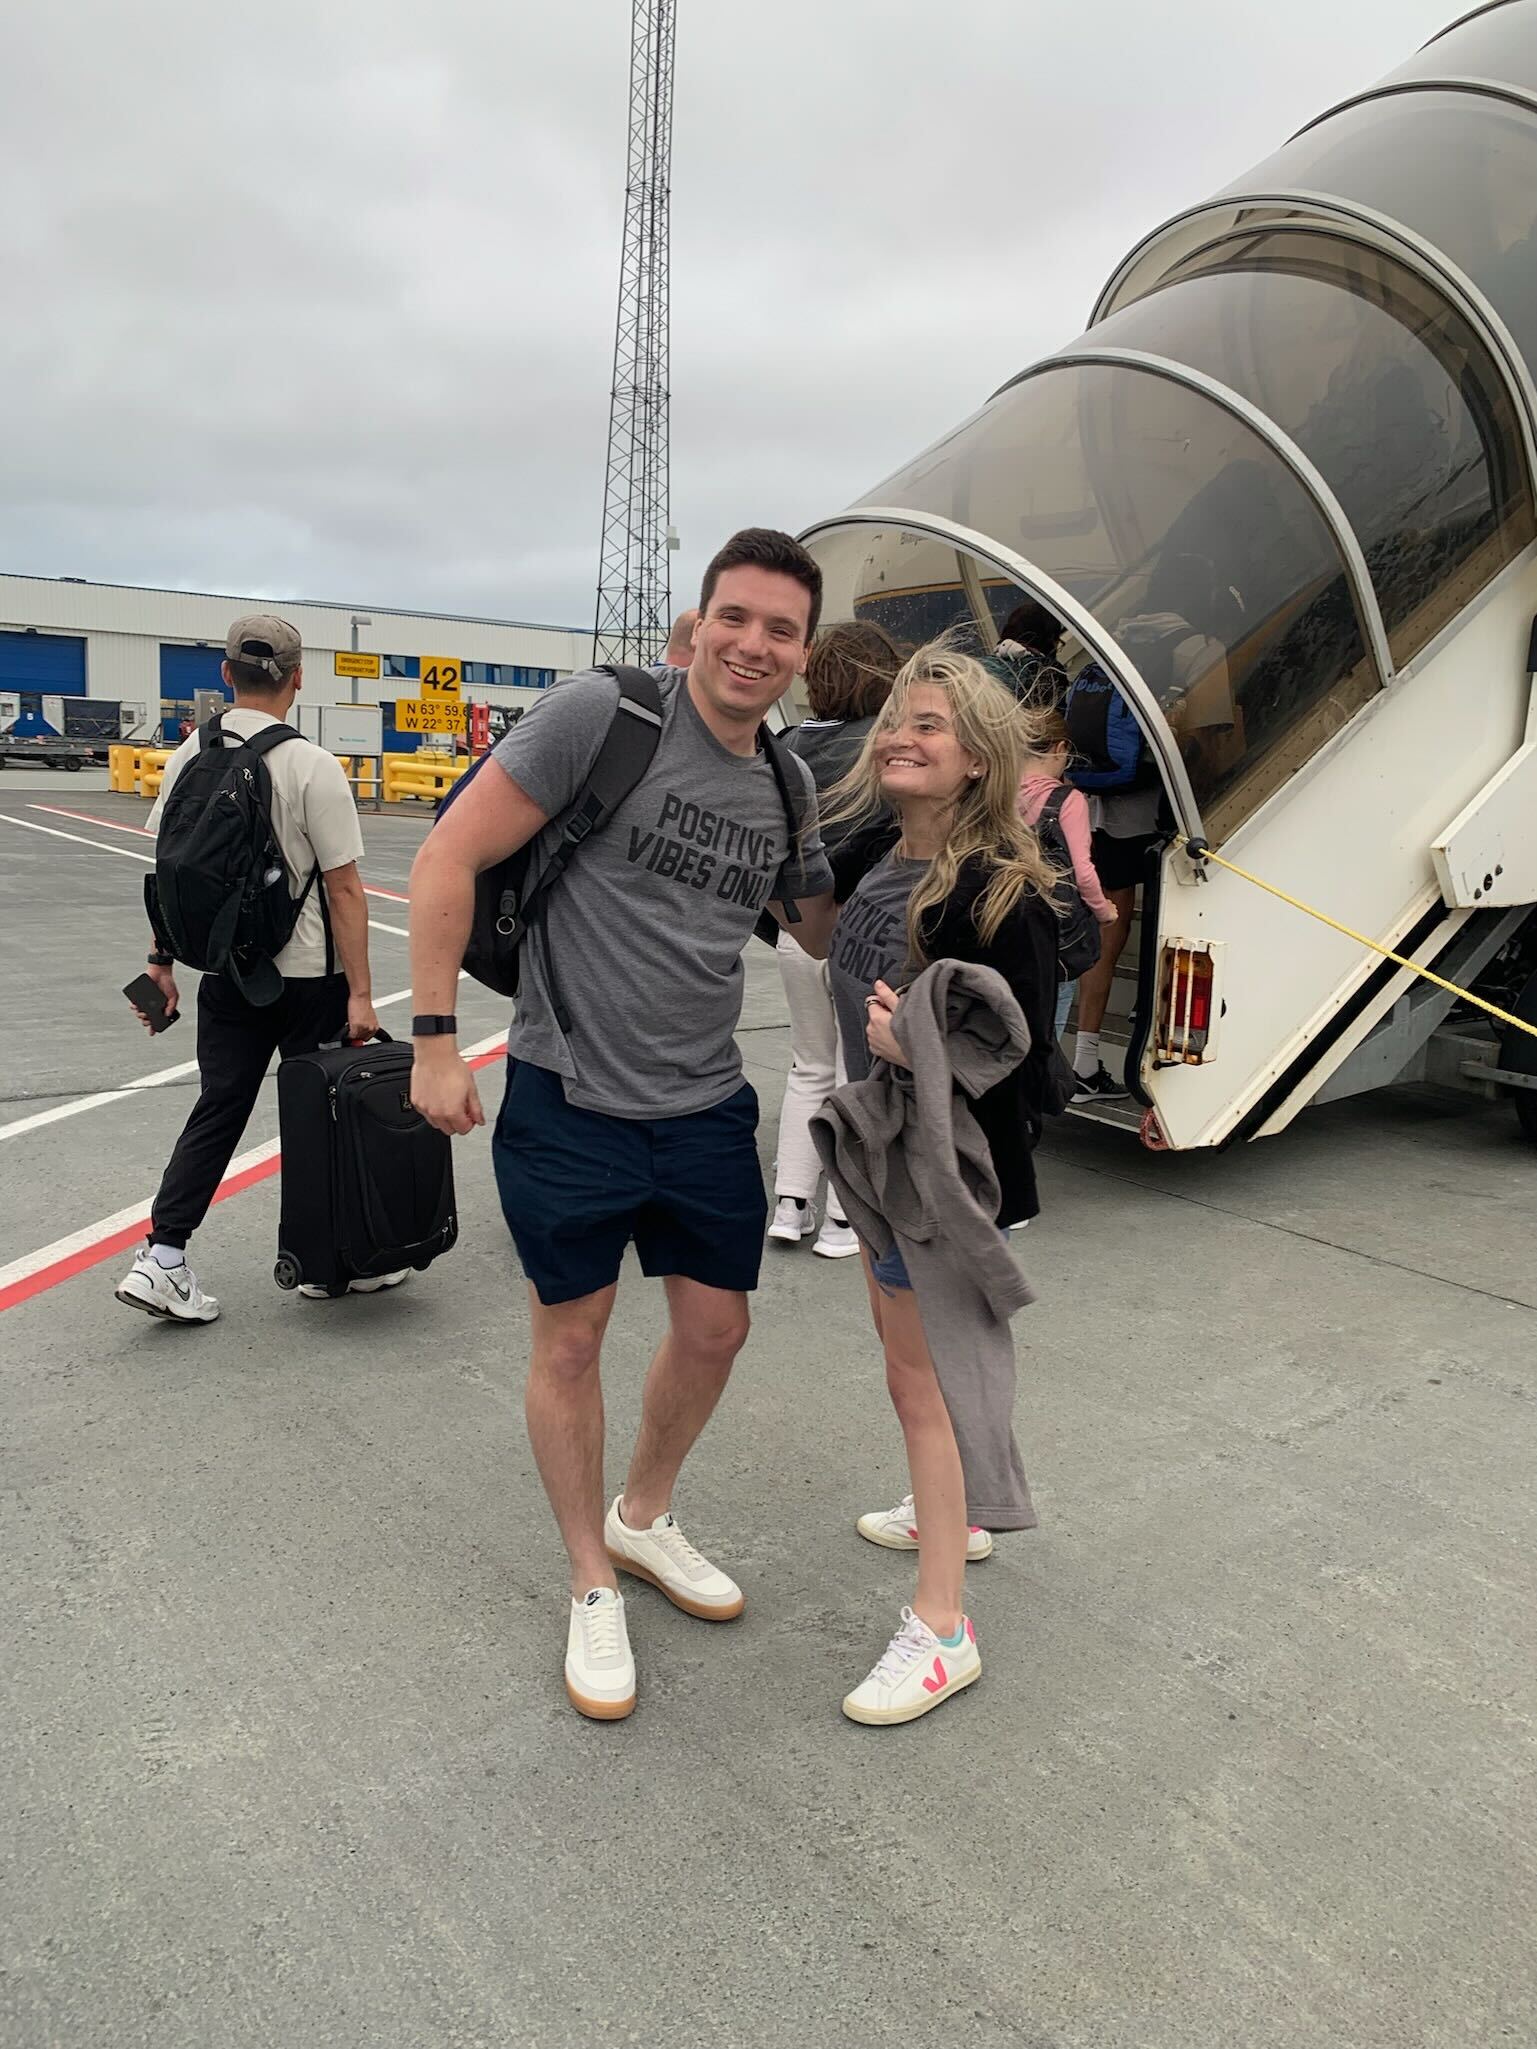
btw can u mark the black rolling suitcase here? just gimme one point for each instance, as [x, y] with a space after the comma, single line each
[368, 1184]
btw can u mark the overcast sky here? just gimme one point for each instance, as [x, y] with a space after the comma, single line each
[317, 300]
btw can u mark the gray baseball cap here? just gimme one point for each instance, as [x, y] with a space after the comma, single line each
[266, 642]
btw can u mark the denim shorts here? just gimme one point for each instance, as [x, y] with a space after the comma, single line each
[577, 1187]
[891, 1271]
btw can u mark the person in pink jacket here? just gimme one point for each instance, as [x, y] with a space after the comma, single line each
[1045, 769]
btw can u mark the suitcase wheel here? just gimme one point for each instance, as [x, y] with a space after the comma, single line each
[286, 1273]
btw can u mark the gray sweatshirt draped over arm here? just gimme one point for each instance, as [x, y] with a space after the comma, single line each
[913, 1168]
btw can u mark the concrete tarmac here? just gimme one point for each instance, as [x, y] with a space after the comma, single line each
[287, 1758]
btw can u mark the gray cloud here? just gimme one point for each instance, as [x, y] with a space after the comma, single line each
[319, 302]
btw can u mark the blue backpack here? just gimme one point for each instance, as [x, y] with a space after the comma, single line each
[1108, 748]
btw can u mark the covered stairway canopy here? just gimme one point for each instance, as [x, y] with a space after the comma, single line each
[1301, 426]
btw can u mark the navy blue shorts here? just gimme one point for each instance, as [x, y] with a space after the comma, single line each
[577, 1187]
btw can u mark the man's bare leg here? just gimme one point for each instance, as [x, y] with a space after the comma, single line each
[564, 1406]
[706, 1329]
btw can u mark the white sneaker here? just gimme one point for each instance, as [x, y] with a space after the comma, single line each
[665, 1556]
[369, 1285]
[792, 1220]
[836, 1239]
[895, 1530]
[600, 1673]
[171, 1291]
[914, 1673]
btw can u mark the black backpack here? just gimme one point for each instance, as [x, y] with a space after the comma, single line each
[1078, 942]
[509, 897]
[219, 892]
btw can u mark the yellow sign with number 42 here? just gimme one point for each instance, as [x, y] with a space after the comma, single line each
[440, 677]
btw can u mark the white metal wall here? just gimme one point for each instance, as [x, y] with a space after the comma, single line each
[124, 627]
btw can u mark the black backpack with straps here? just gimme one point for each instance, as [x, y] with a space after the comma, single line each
[219, 893]
[510, 896]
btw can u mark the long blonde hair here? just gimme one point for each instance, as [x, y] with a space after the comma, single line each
[984, 822]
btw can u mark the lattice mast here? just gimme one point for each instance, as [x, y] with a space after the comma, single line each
[634, 598]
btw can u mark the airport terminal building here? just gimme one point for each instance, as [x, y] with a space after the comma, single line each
[103, 660]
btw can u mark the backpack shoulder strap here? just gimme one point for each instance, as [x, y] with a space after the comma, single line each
[774, 750]
[210, 733]
[627, 751]
[268, 738]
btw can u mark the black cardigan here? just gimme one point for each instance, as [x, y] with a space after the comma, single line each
[1024, 952]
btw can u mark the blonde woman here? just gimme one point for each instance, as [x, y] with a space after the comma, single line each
[966, 881]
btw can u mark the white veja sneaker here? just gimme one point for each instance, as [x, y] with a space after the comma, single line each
[369, 1285]
[792, 1220]
[665, 1556]
[914, 1673]
[836, 1239]
[600, 1673]
[895, 1529]
[166, 1291]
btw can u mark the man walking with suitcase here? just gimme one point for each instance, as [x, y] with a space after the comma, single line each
[314, 989]
[634, 1124]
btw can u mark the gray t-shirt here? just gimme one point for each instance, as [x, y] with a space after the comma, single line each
[869, 945]
[647, 926]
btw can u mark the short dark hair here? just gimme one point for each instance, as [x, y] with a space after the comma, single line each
[763, 547]
[247, 676]
[850, 670]
[1033, 627]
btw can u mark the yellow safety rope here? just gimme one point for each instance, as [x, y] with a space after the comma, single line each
[1199, 852]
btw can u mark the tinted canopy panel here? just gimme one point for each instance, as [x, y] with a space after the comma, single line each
[1500, 44]
[1458, 168]
[1191, 542]
[1380, 383]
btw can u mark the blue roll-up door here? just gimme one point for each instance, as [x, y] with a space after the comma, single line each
[53, 664]
[184, 671]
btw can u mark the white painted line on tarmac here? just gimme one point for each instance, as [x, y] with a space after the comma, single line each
[35, 1272]
[133, 854]
[116, 825]
[31, 825]
[74, 1108]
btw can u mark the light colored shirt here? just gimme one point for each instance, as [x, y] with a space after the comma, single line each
[313, 817]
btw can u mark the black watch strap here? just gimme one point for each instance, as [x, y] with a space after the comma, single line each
[161, 960]
[433, 1027]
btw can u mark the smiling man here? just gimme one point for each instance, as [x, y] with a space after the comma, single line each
[635, 1125]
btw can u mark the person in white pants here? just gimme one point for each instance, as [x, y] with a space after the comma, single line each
[848, 679]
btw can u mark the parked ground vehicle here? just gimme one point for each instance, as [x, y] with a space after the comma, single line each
[1316, 394]
[49, 750]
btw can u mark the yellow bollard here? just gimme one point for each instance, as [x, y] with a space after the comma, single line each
[123, 768]
[151, 769]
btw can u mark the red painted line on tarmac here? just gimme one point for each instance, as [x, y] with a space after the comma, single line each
[117, 825]
[117, 1235]
[88, 818]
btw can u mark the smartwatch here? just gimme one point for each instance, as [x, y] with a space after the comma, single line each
[433, 1027]
[161, 960]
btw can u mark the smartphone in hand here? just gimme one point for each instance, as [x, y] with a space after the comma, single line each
[148, 997]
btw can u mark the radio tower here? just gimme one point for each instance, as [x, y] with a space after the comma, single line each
[633, 584]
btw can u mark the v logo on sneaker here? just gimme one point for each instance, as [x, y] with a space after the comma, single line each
[938, 1677]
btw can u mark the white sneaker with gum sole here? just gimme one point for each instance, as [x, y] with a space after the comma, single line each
[600, 1672]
